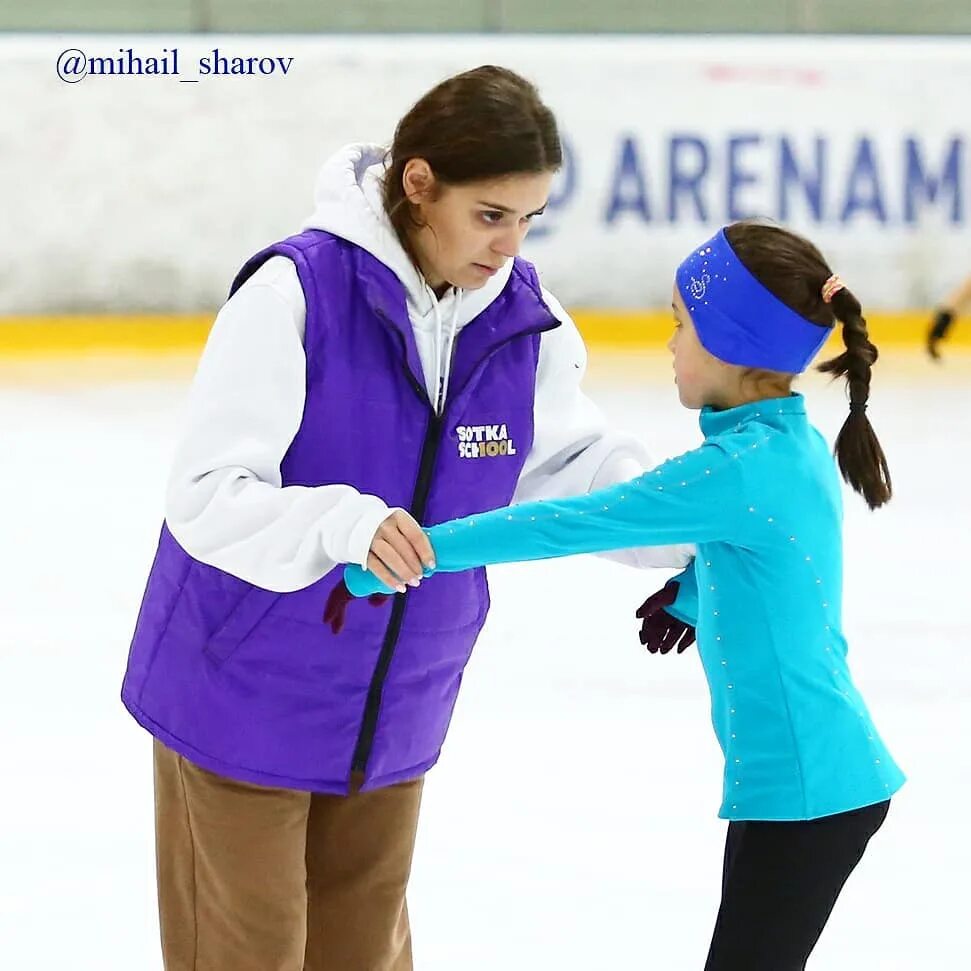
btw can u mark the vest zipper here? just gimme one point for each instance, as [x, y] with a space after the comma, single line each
[429, 452]
[419, 499]
[372, 707]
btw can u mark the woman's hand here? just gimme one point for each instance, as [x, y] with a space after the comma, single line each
[399, 552]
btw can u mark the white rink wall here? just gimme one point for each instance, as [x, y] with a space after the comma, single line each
[132, 193]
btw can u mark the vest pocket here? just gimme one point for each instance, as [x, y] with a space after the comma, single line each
[240, 623]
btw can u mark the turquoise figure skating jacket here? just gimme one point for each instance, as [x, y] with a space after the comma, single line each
[761, 500]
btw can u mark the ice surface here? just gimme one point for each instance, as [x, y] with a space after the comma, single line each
[571, 823]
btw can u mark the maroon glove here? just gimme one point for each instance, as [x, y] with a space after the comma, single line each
[659, 630]
[337, 603]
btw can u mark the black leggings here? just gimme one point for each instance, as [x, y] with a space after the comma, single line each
[779, 886]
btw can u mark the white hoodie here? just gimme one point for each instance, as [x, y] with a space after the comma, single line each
[225, 503]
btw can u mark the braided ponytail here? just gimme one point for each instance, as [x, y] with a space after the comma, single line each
[858, 451]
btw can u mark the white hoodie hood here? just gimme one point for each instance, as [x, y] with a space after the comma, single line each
[348, 202]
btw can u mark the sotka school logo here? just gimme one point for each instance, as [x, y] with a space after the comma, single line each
[484, 441]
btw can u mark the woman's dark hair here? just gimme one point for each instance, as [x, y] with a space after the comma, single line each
[794, 271]
[483, 124]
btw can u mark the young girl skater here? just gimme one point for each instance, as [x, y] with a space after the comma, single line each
[807, 779]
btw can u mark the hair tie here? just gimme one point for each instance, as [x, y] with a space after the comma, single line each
[857, 407]
[831, 287]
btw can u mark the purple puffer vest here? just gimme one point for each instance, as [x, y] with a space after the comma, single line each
[251, 684]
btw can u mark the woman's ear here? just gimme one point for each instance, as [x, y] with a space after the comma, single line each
[418, 181]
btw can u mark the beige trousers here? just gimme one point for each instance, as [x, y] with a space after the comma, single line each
[252, 878]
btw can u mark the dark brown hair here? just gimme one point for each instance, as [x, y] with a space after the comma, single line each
[483, 124]
[794, 271]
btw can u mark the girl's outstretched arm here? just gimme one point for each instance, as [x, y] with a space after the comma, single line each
[691, 499]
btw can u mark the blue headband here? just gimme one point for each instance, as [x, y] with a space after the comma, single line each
[737, 319]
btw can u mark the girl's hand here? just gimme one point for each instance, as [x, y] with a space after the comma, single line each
[336, 609]
[659, 630]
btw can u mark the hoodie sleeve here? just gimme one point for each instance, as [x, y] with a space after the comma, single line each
[574, 450]
[225, 502]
